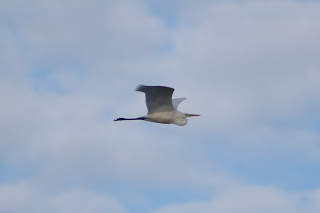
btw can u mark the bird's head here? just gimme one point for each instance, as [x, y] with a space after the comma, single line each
[183, 119]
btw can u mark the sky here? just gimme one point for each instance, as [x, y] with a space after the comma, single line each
[250, 68]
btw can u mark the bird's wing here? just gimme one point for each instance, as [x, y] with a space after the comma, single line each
[176, 102]
[158, 98]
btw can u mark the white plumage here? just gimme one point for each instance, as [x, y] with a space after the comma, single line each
[161, 107]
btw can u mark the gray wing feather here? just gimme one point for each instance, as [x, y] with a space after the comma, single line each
[158, 98]
[176, 102]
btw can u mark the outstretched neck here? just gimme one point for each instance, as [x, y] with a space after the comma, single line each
[129, 119]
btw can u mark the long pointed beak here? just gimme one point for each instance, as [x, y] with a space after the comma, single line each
[191, 115]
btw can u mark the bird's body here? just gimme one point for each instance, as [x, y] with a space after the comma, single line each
[161, 107]
[174, 117]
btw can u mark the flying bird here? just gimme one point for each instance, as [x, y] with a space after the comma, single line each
[161, 107]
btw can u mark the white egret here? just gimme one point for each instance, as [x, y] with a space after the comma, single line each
[161, 107]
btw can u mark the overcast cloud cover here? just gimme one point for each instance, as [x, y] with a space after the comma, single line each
[251, 68]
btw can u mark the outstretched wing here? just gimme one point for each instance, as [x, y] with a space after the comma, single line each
[158, 98]
[176, 102]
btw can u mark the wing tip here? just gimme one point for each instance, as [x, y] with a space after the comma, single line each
[140, 87]
[182, 99]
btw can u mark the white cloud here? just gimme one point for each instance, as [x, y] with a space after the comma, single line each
[81, 31]
[84, 201]
[250, 199]
[18, 198]
[250, 69]
[25, 198]
[250, 62]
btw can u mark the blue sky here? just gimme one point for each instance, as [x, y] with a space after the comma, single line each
[250, 68]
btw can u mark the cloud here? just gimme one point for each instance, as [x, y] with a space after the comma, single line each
[250, 199]
[249, 68]
[89, 32]
[23, 197]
